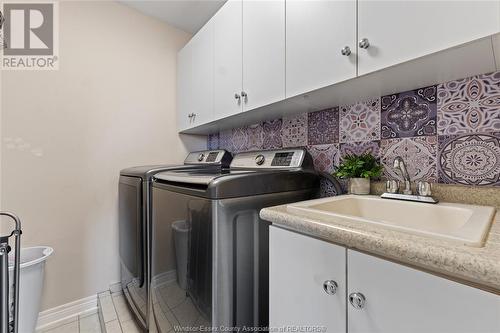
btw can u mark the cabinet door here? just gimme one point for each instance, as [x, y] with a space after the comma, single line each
[298, 267]
[184, 91]
[398, 31]
[263, 52]
[401, 299]
[316, 33]
[227, 59]
[202, 74]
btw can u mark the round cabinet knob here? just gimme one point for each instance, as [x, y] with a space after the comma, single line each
[260, 159]
[201, 157]
[364, 43]
[330, 287]
[237, 96]
[346, 51]
[357, 300]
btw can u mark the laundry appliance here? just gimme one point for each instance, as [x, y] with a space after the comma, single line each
[209, 250]
[135, 224]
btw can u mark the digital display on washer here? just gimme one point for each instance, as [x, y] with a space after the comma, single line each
[282, 159]
[212, 157]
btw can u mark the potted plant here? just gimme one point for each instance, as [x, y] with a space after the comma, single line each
[359, 170]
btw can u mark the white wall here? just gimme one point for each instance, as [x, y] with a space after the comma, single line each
[67, 133]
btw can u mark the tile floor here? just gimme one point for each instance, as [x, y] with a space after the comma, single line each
[115, 318]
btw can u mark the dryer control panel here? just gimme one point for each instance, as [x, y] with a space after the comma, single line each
[209, 157]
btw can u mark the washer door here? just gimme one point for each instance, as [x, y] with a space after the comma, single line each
[181, 262]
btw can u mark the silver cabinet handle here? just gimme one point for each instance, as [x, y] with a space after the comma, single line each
[346, 51]
[244, 95]
[364, 43]
[330, 287]
[237, 96]
[357, 300]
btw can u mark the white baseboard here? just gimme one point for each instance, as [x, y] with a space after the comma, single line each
[115, 287]
[67, 312]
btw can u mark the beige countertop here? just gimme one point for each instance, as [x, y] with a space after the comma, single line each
[479, 266]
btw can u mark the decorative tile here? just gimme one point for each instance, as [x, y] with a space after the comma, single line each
[409, 114]
[294, 131]
[469, 105]
[325, 157]
[360, 121]
[255, 137]
[213, 141]
[419, 154]
[271, 131]
[327, 189]
[239, 139]
[226, 140]
[323, 127]
[470, 159]
[360, 148]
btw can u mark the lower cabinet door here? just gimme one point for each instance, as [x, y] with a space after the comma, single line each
[401, 299]
[300, 269]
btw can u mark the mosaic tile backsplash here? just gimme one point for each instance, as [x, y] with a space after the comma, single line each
[447, 133]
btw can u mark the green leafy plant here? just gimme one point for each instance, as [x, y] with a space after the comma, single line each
[362, 166]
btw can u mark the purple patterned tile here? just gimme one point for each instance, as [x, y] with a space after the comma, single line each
[239, 139]
[294, 131]
[360, 148]
[325, 157]
[271, 131]
[419, 154]
[409, 114]
[226, 140]
[360, 121]
[323, 127]
[469, 105]
[255, 137]
[327, 189]
[470, 159]
[213, 141]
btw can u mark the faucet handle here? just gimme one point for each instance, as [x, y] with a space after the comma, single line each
[392, 186]
[424, 188]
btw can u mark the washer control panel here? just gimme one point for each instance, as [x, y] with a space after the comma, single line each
[270, 159]
[282, 159]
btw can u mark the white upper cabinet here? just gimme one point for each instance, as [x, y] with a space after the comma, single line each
[202, 72]
[299, 267]
[195, 80]
[402, 299]
[263, 53]
[227, 24]
[320, 44]
[397, 31]
[184, 88]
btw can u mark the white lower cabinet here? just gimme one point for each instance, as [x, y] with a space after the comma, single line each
[402, 299]
[386, 297]
[298, 268]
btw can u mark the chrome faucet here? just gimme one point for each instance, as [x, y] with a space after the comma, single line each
[392, 186]
[399, 164]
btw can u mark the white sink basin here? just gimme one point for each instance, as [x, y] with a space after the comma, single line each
[466, 224]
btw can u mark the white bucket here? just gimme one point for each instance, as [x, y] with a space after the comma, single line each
[31, 284]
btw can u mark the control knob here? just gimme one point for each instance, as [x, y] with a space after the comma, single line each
[201, 157]
[260, 159]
